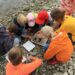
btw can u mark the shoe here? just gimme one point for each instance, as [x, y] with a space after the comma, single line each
[52, 62]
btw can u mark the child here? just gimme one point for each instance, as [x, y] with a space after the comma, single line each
[60, 48]
[19, 23]
[3, 36]
[7, 39]
[17, 67]
[43, 18]
[67, 23]
[11, 32]
[68, 6]
[31, 17]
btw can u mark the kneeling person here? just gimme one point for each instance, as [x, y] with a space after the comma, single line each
[16, 65]
[60, 48]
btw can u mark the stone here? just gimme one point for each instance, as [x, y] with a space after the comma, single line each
[57, 69]
[70, 72]
[70, 67]
[49, 67]
[54, 74]
[58, 73]
[74, 66]
[46, 7]
[44, 70]
[73, 72]
[26, 8]
[65, 73]
[61, 68]
[43, 74]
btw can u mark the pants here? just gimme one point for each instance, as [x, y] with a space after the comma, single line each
[45, 47]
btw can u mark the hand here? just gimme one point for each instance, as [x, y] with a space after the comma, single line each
[29, 29]
[31, 58]
[29, 37]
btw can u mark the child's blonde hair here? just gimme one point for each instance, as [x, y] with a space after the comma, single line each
[48, 31]
[21, 19]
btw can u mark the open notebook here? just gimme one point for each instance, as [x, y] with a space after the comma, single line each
[28, 46]
[39, 40]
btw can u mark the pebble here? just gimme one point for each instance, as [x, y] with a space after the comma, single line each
[54, 74]
[59, 73]
[70, 72]
[43, 74]
[61, 68]
[65, 73]
[57, 69]
[49, 67]
[46, 7]
[68, 68]
[74, 66]
[26, 8]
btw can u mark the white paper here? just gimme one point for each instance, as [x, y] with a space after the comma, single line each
[28, 46]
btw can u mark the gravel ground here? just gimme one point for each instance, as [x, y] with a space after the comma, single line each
[10, 6]
[37, 5]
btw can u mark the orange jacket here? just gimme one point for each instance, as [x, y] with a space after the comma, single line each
[60, 47]
[23, 69]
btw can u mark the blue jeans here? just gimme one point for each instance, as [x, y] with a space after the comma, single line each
[45, 47]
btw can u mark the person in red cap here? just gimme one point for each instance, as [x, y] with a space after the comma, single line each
[43, 18]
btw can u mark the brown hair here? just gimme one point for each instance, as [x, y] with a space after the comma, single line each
[12, 28]
[57, 14]
[15, 56]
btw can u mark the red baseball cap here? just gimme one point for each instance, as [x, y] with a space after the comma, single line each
[42, 17]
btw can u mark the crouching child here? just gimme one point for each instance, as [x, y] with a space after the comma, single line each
[7, 39]
[19, 23]
[60, 48]
[17, 67]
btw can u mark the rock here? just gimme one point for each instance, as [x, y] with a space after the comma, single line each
[64, 67]
[46, 7]
[54, 74]
[65, 73]
[61, 69]
[49, 67]
[73, 55]
[32, 5]
[58, 73]
[57, 69]
[74, 72]
[70, 67]
[44, 70]
[53, 67]
[70, 72]
[26, 8]
[43, 74]
[74, 66]
[37, 6]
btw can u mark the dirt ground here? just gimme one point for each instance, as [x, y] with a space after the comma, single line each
[36, 6]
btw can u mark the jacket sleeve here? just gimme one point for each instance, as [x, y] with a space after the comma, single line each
[51, 51]
[33, 65]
